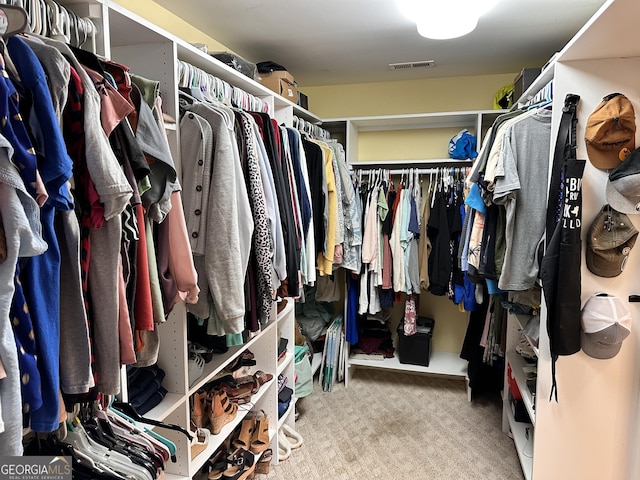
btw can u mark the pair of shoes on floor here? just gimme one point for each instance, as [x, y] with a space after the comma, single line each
[288, 439]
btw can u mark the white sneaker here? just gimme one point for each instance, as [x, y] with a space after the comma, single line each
[524, 349]
[196, 367]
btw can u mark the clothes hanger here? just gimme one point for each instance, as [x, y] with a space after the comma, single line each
[119, 418]
[131, 412]
[17, 19]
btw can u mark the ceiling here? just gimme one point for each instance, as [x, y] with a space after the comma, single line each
[334, 42]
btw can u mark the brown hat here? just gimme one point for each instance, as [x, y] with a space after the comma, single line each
[610, 128]
[609, 242]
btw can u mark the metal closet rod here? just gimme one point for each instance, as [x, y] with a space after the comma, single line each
[419, 171]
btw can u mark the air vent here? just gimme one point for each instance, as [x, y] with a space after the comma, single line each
[408, 65]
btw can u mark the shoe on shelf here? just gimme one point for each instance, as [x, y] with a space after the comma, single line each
[524, 349]
[216, 465]
[260, 437]
[200, 442]
[204, 352]
[199, 410]
[196, 367]
[294, 438]
[222, 411]
[240, 465]
[247, 430]
[263, 465]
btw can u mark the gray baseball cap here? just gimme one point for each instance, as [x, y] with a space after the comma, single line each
[609, 241]
[606, 322]
[623, 186]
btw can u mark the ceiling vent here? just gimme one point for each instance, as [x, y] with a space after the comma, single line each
[409, 65]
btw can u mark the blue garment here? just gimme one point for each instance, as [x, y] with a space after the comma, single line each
[55, 165]
[303, 194]
[414, 226]
[469, 295]
[26, 344]
[56, 169]
[474, 199]
[351, 334]
[14, 131]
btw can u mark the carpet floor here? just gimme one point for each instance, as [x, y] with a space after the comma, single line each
[397, 426]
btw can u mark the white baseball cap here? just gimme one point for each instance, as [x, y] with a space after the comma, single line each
[606, 322]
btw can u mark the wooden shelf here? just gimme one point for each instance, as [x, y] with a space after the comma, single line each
[517, 368]
[441, 363]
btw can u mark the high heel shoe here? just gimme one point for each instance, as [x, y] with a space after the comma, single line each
[199, 414]
[222, 412]
[246, 433]
[260, 438]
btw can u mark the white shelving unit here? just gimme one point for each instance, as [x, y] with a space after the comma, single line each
[153, 53]
[575, 437]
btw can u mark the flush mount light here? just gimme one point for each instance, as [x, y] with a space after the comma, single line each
[443, 27]
[443, 19]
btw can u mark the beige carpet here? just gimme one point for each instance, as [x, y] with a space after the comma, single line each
[397, 426]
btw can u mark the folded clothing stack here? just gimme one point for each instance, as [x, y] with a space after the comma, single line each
[284, 399]
[145, 387]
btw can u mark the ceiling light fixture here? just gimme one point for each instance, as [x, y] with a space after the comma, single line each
[445, 19]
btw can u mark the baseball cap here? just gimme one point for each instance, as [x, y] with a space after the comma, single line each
[463, 146]
[606, 322]
[623, 185]
[609, 242]
[610, 128]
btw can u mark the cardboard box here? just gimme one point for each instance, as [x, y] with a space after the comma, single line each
[523, 80]
[281, 82]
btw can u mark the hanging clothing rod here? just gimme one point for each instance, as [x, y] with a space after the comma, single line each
[419, 171]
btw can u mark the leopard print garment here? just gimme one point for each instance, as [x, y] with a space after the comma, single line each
[262, 242]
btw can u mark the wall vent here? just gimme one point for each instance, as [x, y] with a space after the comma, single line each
[408, 65]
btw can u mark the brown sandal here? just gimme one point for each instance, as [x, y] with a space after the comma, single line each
[259, 379]
[246, 433]
[222, 412]
[262, 466]
[199, 411]
[260, 438]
